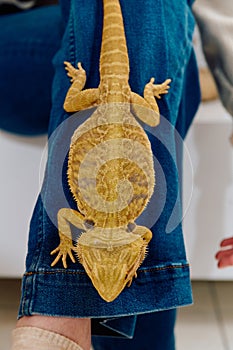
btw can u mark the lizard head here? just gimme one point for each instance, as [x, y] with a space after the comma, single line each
[111, 264]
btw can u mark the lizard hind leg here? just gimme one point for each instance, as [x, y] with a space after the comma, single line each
[143, 110]
[147, 108]
[153, 91]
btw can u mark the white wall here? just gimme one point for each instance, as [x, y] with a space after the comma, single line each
[19, 184]
[210, 214]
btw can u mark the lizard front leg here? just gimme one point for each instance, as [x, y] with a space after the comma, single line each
[76, 99]
[65, 217]
[146, 236]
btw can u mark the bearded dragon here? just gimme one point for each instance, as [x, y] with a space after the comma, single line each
[110, 166]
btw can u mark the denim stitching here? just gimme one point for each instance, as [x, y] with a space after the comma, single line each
[71, 39]
[40, 234]
[186, 46]
[163, 24]
[171, 267]
[26, 300]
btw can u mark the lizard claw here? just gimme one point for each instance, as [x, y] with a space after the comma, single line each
[159, 89]
[64, 249]
[72, 72]
[79, 65]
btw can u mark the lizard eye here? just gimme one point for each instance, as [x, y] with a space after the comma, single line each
[131, 226]
[89, 224]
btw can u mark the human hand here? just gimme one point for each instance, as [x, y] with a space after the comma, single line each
[225, 255]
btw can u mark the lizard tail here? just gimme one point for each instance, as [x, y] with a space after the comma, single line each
[114, 54]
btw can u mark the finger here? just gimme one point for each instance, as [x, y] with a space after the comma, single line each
[55, 261]
[165, 85]
[54, 251]
[71, 257]
[64, 261]
[70, 70]
[226, 242]
[69, 74]
[68, 64]
[226, 261]
[224, 253]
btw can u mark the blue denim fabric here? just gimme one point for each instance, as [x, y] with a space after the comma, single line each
[159, 37]
[28, 42]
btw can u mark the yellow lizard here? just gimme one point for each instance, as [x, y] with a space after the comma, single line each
[110, 166]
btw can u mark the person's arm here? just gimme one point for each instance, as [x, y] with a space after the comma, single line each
[215, 22]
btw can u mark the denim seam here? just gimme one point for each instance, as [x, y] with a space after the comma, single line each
[186, 45]
[71, 39]
[165, 35]
[179, 72]
[135, 313]
[38, 251]
[27, 302]
[186, 48]
[171, 267]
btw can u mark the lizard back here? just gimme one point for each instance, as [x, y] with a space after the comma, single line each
[110, 166]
